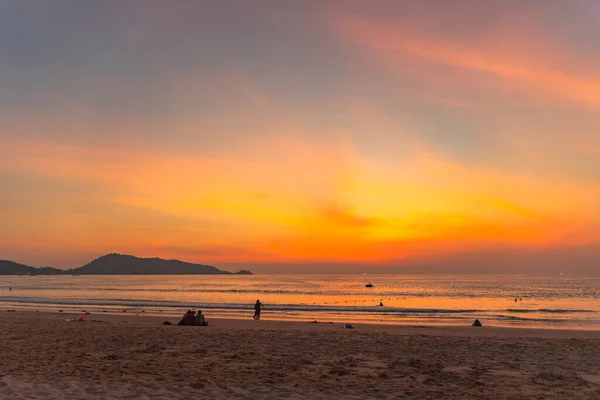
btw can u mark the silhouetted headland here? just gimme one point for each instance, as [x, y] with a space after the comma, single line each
[13, 268]
[119, 264]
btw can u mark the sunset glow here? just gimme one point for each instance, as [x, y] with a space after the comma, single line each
[285, 138]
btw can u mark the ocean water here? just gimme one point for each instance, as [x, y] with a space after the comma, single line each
[542, 301]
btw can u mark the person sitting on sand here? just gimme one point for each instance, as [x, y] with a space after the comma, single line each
[200, 321]
[257, 308]
[185, 317]
[190, 319]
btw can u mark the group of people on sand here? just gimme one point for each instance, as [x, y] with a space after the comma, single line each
[197, 319]
[191, 318]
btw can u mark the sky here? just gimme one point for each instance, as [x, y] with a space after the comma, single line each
[303, 136]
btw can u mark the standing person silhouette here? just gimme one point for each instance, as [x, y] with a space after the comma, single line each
[257, 308]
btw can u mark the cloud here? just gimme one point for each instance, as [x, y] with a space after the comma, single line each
[531, 69]
[342, 217]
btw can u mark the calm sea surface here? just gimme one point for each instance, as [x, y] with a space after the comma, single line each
[547, 301]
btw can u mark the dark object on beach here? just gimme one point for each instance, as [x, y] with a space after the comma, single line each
[11, 310]
[200, 321]
[477, 323]
[124, 310]
[166, 323]
[381, 304]
[188, 317]
[60, 310]
[257, 308]
[348, 326]
[87, 313]
[369, 285]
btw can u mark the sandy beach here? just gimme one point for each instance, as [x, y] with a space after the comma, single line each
[43, 356]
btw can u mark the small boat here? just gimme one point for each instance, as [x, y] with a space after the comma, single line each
[369, 285]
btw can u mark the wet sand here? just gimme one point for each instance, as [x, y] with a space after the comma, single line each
[125, 356]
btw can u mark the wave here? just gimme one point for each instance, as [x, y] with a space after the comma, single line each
[302, 307]
[549, 311]
[380, 293]
[513, 318]
[151, 290]
[390, 294]
[231, 306]
[227, 291]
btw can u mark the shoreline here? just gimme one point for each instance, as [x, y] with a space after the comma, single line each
[274, 324]
[391, 316]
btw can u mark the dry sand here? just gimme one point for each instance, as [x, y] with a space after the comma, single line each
[42, 356]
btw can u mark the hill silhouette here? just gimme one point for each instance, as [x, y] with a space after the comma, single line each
[13, 268]
[120, 264]
[114, 264]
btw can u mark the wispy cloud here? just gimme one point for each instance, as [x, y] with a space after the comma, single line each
[521, 68]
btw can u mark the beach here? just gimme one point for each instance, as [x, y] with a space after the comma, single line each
[53, 355]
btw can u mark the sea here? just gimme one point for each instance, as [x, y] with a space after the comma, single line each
[551, 302]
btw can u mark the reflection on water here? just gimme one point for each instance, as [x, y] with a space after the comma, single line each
[556, 301]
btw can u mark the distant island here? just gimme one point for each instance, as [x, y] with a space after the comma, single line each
[120, 264]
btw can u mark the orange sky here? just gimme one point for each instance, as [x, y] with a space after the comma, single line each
[395, 137]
